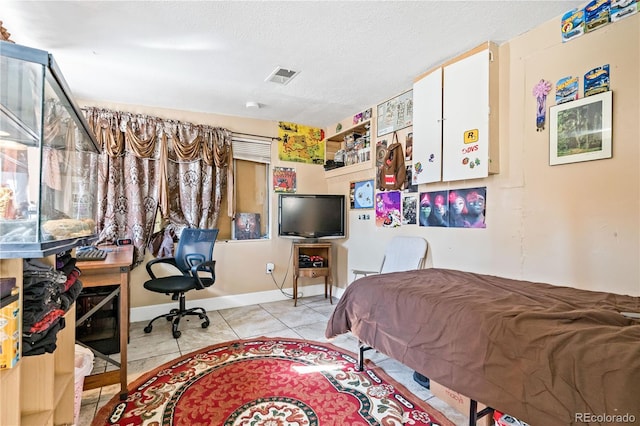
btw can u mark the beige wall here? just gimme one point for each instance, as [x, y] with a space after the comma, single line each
[575, 224]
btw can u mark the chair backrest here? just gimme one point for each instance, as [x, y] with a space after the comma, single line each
[404, 254]
[195, 246]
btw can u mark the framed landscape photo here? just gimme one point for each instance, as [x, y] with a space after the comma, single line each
[580, 130]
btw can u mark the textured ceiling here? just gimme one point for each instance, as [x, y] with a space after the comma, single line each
[214, 56]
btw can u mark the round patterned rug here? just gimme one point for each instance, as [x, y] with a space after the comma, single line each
[268, 382]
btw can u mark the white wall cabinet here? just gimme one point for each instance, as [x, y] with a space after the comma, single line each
[455, 123]
[427, 128]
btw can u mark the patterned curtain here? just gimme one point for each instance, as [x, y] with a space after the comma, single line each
[149, 163]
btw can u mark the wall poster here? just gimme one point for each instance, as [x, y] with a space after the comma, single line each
[395, 114]
[458, 208]
[410, 209]
[361, 194]
[246, 226]
[284, 179]
[300, 143]
[388, 206]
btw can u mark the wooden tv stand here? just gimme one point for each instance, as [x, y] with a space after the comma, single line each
[312, 249]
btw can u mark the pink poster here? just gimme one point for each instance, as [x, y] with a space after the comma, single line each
[388, 209]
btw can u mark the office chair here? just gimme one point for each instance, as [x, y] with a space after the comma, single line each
[194, 255]
[401, 254]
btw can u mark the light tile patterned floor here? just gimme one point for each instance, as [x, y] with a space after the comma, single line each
[276, 319]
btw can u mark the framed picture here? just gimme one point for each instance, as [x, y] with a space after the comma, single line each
[246, 226]
[362, 194]
[580, 130]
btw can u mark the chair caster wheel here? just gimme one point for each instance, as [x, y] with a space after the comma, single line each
[205, 324]
[148, 329]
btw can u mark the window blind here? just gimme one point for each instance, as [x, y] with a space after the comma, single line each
[255, 150]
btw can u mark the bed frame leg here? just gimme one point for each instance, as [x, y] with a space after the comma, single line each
[475, 415]
[361, 350]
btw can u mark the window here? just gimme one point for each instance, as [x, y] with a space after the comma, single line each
[251, 160]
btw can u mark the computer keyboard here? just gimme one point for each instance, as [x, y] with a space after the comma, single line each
[90, 253]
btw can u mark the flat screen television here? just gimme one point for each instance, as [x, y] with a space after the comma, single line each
[311, 216]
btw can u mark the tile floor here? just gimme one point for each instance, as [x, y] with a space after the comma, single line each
[276, 319]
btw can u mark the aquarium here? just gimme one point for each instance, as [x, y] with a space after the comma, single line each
[48, 159]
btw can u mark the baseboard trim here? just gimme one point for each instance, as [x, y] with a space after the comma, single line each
[146, 313]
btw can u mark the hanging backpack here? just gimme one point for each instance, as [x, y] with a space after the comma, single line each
[393, 171]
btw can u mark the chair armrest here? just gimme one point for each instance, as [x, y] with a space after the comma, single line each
[166, 260]
[209, 266]
[363, 272]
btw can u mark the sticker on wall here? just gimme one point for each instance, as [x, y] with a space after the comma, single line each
[470, 136]
[300, 143]
[472, 163]
[566, 89]
[388, 209]
[417, 169]
[284, 179]
[596, 81]
[572, 24]
[596, 15]
[621, 9]
[540, 91]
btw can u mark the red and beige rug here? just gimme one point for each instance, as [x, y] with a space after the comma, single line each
[268, 382]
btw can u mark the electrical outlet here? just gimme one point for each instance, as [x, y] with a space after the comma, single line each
[270, 268]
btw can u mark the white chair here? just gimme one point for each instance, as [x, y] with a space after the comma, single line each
[401, 254]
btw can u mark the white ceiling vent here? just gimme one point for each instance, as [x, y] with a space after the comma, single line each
[282, 76]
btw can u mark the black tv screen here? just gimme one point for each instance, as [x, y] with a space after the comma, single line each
[311, 216]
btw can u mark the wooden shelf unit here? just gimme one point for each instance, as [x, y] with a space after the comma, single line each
[39, 390]
[336, 142]
[312, 249]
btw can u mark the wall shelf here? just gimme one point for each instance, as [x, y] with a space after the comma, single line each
[355, 160]
[347, 169]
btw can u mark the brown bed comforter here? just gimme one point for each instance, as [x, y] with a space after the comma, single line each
[539, 352]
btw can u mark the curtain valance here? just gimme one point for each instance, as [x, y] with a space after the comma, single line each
[180, 167]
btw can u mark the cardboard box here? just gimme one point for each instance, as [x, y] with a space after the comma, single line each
[459, 402]
[9, 334]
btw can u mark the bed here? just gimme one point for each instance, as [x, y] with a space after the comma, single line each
[548, 355]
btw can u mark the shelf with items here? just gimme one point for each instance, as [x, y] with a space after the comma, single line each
[352, 147]
[39, 389]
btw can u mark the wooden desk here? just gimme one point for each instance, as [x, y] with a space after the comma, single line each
[114, 270]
